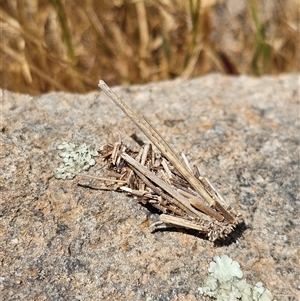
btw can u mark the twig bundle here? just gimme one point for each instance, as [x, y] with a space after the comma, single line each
[158, 176]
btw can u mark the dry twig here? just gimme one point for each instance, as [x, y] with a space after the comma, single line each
[159, 177]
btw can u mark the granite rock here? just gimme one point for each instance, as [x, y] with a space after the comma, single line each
[60, 241]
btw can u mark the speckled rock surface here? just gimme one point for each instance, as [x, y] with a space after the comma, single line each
[60, 241]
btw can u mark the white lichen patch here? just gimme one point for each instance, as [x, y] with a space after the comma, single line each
[225, 283]
[76, 158]
[224, 268]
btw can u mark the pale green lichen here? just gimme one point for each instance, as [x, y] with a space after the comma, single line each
[76, 158]
[224, 268]
[225, 283]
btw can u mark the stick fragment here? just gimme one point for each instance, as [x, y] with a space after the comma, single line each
[167, 182]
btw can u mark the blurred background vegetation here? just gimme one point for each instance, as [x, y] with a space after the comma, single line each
[68, 45]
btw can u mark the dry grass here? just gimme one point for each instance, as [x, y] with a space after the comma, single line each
[70, 45]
